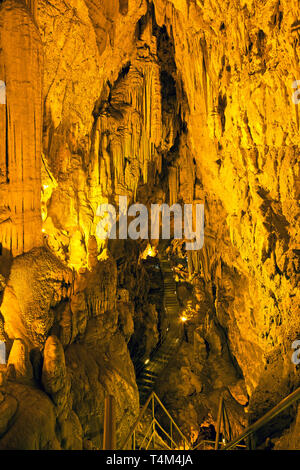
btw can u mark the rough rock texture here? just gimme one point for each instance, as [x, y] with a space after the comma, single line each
[72, 348]
[21, 68]
[237, 62]
[167, 101]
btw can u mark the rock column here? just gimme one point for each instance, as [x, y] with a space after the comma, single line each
[21, 65]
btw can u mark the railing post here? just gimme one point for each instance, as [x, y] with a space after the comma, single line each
[219, 422]
[109, 435]
[153, 425]
[226, 422]
[252, 441]
[133, 428]
[153, 420]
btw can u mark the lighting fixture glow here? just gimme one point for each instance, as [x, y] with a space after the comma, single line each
[43, 230]
[183, 319]
[149, 251]
[147, 361]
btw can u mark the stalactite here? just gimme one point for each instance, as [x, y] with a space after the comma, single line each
[173, 185]
[133, 125]
[101, 299]
[32, 6]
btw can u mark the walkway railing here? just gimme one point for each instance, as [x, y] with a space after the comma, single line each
[149, 370]
[155, 434]
[151, 434]
[250, 430]
[210, 445]
[223, 424]
[147, 374]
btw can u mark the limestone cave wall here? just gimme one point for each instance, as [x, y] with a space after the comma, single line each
[170, 101]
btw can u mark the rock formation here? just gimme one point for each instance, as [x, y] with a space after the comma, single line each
[162, 101]
[21, 68]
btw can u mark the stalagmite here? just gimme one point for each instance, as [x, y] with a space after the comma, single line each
[19, 359]
[173, 185]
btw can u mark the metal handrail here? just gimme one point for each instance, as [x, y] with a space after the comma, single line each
[150, 428]
[134, 426]
[165, 432]
[154, 364]
[139, 368]
[219, 419]
[171, 419]
[139, 361]
[154, 397]
[212, 444]
[281, 406]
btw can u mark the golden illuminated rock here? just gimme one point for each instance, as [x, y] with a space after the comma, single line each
[170, 101]
[54, 367]
[19, 359]
[21, 68]
[8, 407]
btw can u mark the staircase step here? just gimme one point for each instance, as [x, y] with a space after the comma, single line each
[148, 376]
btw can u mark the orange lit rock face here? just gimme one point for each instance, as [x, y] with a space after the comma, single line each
[179, 101]
[21, 68]
[238, 69]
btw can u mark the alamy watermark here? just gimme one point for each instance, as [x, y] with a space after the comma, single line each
[2, 92]
[296, 94]
[296, 354]
[2, 352]
[184, 224]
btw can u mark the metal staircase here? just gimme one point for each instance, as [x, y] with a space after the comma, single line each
[154, 436]
[151, 370]
[149, 434]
